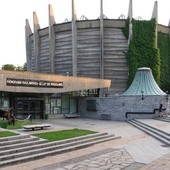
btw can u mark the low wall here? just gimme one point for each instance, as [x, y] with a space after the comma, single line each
[120, 108]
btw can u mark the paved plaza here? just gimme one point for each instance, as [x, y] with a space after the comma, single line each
[134, 150]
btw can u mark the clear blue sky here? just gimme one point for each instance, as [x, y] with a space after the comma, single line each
[14, 12]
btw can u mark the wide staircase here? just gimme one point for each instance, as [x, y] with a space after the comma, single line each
[23, 148]
[160, 135]
[115, 62]
[164, 118]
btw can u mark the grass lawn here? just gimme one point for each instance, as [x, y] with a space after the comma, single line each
[18, 124]
[6, 134]
[63, 134]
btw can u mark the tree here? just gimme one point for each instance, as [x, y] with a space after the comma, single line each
[25, 67]
[12, 67]
[19, 68]
[8, 67]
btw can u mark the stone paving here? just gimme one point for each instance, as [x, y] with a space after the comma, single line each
[135, 150]
[118, 159]
[112, 159]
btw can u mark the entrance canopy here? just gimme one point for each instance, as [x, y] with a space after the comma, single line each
[29, 82]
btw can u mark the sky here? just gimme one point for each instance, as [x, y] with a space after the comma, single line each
[13, 14]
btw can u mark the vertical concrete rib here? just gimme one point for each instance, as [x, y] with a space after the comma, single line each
[36, 41]
[155, 10]
[101, 41]
[51, 38]
[28, 32]
[74, 39]
[130, 16]
[155, 16]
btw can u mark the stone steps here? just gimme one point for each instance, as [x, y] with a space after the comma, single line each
[22, 145]
[14, 137]
[13, 155]
[16, 141]
[164, 119]
[160, 135]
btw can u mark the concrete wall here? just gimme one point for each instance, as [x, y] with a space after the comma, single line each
[63, 53]
[86, 61]
[163, 29]
[115, 108]
[89, 52]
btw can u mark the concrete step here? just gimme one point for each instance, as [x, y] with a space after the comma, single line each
[30, 150]
[18, 141]
[16, 137]
[165, 119]
[44, 143]
[49, 153]
[154, 132]
[22, 145]
[64, 146]
[151, 127]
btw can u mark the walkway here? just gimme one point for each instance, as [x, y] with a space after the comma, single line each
[135, 149]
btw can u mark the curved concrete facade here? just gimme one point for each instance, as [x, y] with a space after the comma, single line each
[86, 48]
[95, 58]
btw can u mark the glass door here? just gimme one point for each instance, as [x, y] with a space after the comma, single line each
[65, 104]
[73, 105]
[24, 108]
[55, 105]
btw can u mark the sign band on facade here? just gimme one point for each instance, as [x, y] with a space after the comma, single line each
[33, 83]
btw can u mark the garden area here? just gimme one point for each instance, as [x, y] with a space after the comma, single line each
[50, 136]
[18, 124]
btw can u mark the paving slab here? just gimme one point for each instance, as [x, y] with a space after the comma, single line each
[141, 149]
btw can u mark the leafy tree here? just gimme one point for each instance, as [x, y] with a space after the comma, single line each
[12, 67]
[8, 67]
[25, 67]
[19, 68]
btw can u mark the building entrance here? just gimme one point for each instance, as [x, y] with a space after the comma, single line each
[29, 107]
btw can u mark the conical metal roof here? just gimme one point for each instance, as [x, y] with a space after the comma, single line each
[144, 83]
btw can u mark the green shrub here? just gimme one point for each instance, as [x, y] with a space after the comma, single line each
[18, 124]
[4, 124]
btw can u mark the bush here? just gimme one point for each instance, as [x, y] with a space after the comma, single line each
[4, 124]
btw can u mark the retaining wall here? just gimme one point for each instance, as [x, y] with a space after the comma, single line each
[120, 108]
